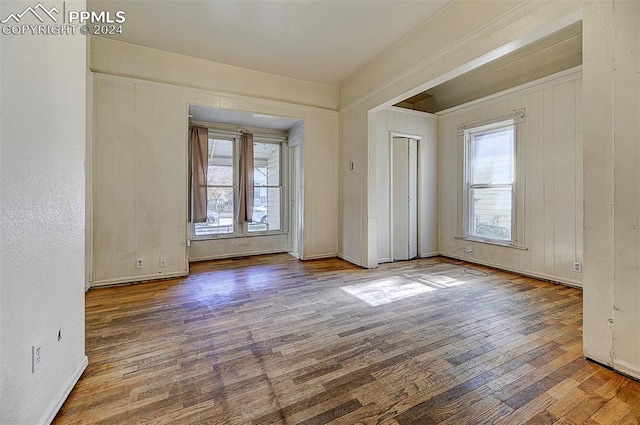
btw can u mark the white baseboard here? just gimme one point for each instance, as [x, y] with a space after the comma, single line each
[542, 276]
[427, 255]
[294, 254]
[349, 259]
[319, 256]
[627, 368]
[57, 402]
[137, 279]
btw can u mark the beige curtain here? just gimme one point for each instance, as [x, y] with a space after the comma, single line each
[245, 209]
[198, 143]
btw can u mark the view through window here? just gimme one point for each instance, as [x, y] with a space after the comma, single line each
[490, 171]
[222, 188]
[266, 181]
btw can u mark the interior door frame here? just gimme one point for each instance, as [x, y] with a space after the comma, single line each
[298, 209]
[418, 139]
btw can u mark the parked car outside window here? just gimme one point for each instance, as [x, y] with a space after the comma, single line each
[259, 214]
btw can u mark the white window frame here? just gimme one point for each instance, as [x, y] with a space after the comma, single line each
[283, 198]
[467, 132]
[241, 231]
[234, 186]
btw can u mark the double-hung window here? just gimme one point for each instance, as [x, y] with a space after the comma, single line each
[223, 188]
[490, 161]
[266, 187]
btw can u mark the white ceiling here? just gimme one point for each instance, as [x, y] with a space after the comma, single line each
[314, 40]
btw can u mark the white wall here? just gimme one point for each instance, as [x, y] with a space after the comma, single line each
[417, 124]
[128, 60]
[140, 179]
[202, 250]
[549, 180]
[352, 187]
[139, 191]
[462, 36]
[42, 236]
[88, 201]
[121, 226]
[611, 173]
[626, 342]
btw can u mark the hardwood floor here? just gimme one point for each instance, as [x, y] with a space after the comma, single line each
[271, 339]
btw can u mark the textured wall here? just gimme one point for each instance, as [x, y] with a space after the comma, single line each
[42, 201]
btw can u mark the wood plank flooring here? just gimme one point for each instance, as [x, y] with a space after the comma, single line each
[272, 340]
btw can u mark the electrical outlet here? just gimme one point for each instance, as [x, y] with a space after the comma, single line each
[36, 356]
[163, 262]
[468, 250]
[139, 263]
[577, 266]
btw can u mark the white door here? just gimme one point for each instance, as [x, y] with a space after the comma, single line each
[404, 200]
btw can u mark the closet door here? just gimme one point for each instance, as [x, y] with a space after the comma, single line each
[404, 199]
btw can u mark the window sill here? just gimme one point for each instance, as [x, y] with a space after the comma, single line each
[204, 238]
[490, 242]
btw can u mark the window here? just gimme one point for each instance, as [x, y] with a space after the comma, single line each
[490, 182]
[266, 187]
[222, 188]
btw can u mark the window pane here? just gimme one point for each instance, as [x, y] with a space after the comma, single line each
[266, 209]
[220, 170]
[490, 213]
[266, 160]
[220, 212]
[492, 157]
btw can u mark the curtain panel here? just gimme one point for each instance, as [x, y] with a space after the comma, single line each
[199, 147]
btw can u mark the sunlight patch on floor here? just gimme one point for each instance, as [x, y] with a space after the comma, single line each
[384, 291]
